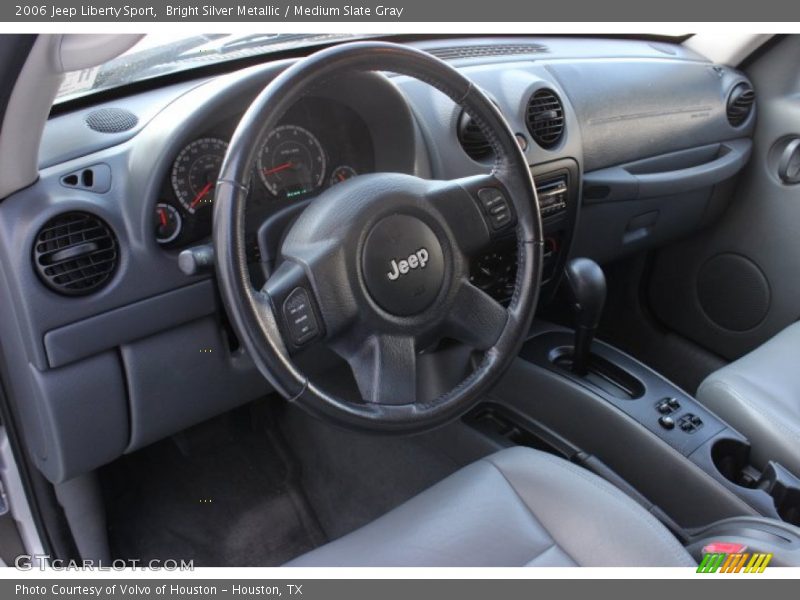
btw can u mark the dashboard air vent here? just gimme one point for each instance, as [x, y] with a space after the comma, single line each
[111, 120]
[740, 103]
[489, 50]
[545, 118]
[472, 139]
[75, 253]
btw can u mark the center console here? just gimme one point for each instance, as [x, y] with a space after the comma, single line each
[676, 419]
[621, 419]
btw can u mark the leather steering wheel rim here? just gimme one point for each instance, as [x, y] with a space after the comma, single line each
[441, 207]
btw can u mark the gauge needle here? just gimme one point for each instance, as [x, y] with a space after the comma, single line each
[163, 216]
[201, 194]
[341, 177]
[286, 165]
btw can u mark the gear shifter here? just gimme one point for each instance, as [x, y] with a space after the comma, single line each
[587, 285]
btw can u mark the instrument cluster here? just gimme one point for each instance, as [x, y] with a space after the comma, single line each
[319, 143]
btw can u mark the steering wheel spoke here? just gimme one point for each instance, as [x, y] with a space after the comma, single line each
[476, 318]
[477, 208]
[385, 368]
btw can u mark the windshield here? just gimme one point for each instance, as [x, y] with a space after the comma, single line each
[162, 54]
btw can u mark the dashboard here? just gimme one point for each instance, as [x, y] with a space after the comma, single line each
[627, 141]
[318, 143]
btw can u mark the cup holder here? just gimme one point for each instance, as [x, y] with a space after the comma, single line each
[732, 460]
[774, 489]
[784, 488]
[788, 506]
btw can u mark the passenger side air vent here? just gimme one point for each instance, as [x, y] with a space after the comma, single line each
[740, 103]
[75, 253]
[545, 118]
[472, 139]
[489, 50]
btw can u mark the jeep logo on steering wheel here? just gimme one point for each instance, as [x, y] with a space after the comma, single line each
[416, 260]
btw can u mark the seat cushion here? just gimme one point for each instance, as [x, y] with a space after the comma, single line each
[759, 395]
[519, 507]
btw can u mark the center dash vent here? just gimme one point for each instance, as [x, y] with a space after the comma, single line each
[740, 104]
[487, 51]
[472, 138]
[544, 118]
[75, 253]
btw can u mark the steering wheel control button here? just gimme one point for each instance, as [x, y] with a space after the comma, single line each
[403, 265]
[690, 423]
[496, 207]
[667, 422]
[299, 317]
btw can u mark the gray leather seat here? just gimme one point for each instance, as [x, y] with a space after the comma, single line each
[519, 507]
[759, 395]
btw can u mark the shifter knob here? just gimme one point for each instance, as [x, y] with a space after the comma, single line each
[587, 286]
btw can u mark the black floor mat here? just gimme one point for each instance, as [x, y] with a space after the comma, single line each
[225, 493]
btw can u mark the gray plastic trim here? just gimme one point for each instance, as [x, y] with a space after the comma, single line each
[82, 412]
[67, 136]
[648, 107]
[668, 174]
[129, 323]
[183, 376]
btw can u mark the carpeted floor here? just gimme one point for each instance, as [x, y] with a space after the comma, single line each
[266, 483]
[226, 492]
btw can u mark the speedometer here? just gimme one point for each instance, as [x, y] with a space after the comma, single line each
[291, 162]
[195, 173]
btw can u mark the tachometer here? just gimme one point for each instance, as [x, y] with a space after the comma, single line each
[195, 173]
[291, 162]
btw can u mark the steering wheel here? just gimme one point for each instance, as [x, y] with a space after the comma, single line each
[377, 267]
